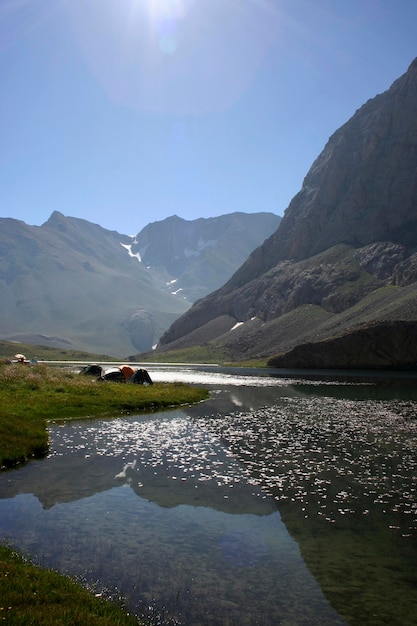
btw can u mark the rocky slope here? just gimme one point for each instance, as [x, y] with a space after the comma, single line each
[345, 252]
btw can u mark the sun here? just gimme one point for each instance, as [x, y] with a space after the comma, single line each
[157, 9]
[163, 19]
[168, 9]
[175, 56]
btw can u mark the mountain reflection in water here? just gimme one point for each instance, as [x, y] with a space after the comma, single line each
[178, 511]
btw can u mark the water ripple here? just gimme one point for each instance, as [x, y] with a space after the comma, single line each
[334, 457]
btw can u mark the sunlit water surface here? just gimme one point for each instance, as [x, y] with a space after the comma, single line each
[186, 514]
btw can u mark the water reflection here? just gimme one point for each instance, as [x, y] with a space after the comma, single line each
[157, 507]
[166, 459]
[179, 510]
[203, 566]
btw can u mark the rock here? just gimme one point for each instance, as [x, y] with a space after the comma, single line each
[386, 345]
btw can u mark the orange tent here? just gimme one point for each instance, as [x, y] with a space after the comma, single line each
[127, 371]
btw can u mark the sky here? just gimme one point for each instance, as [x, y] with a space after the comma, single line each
[126, 112]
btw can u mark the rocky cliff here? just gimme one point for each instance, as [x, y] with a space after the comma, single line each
[344, 254]
[379, 345]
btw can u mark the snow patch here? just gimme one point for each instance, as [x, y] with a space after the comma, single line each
[127, 466]
[237, 325]
[128, 247]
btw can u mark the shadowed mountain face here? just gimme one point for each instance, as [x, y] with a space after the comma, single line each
[72, 284]
[192, 258]
[344, 253]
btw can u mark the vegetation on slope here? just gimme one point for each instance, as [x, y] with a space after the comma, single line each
[48, 353]
[207, 353]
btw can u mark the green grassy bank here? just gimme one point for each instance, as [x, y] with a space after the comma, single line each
[32, 395]
[29, 397]
[30, 595]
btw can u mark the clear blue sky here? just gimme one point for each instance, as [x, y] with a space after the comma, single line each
[125, 112]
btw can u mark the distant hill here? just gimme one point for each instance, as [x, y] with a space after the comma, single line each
[8, 349]
[71, 284]
[343, 258]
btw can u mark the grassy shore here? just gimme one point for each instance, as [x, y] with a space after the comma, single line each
[29, 397]
[32, 395]
[37, 596]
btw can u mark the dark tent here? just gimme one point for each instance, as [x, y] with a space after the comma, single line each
[141, 377]
[92, 370]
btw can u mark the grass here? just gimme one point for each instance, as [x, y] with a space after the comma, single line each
[32, 395]
[29, 397]
[206, 353]
[30, 595]
[49, 353]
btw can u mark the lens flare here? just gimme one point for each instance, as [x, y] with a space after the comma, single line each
[175, 56]
[168, 9]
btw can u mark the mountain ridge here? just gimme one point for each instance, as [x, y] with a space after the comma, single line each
[193, 257]
[73, 284]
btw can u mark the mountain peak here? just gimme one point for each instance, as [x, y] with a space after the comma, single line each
[55, 218]
[78, 281]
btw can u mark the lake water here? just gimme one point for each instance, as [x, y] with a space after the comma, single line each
[282, 500]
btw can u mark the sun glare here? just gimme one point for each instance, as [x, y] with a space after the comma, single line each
[178, 56]
[168, 9]
[165, 15]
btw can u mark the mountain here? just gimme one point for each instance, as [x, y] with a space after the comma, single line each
[343, 257]
[75, 285]
[192, 258]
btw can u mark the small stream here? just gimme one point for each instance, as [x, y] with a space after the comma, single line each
[281, 500]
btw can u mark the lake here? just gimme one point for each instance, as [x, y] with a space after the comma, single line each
[285, 499]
